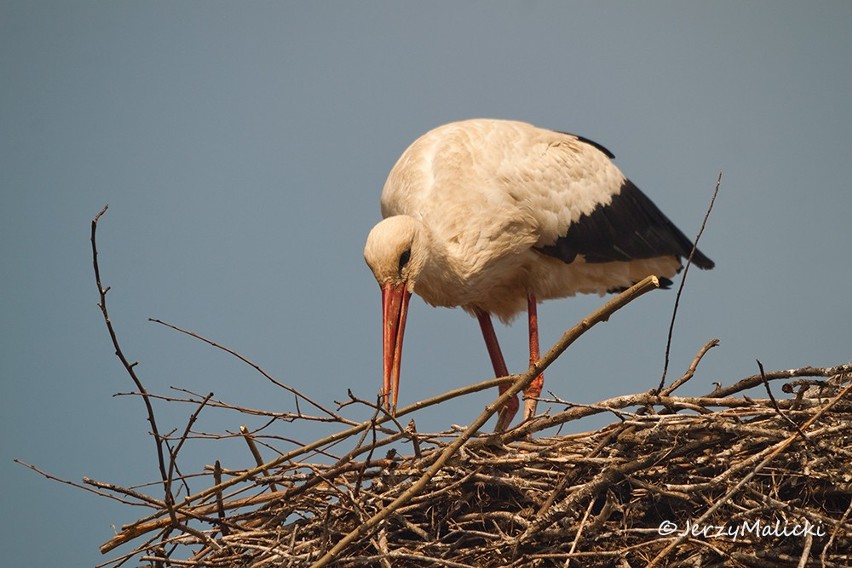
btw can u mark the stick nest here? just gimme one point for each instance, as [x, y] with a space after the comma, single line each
[718, 480]
[761, 482]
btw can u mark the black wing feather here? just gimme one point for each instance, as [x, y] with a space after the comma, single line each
[630, 227]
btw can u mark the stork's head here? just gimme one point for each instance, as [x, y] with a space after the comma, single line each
[396, 252]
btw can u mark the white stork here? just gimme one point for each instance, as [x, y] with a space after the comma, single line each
[495, 216]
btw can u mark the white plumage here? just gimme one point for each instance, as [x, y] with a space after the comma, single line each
[495, 215]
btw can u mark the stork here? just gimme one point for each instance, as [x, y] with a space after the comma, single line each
[495, 216]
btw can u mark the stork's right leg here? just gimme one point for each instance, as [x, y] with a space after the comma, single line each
[533, 391]
[504, 417]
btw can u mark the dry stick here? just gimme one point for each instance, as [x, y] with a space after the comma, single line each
[174, 453]
[777, 449]
[372, 449]
[777, 408]
[601, 314]
[683, 281]
[692, 367]
[121, 560]
[623, 401]
[411, 430]
[102, 292]
[214, 403]
[220, 507]
[580, 530]
[581, 411]
[757, 380]
[146, 500]
[258, 459]
[836, 530]
[806, 552]
[256, 367]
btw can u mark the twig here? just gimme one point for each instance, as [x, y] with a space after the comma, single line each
[99, 485]
[128, 366]
[174, 453]
[806, 551]
[758, 379]
[690, 372]
[411, 430]
[379, 408]
[258, 459]
[220, 507]
[612, 405]
[777, 408]
[683, 281]
[298, 394]
[145, 500]
[834, 533]
[585, 518]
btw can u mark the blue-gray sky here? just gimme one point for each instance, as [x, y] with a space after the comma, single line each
[242, 148]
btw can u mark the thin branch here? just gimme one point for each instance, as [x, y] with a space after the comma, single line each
[270, 378]
[174, 453]
[690, 372]
[128, 366]
[683, 281]
[758, 379]
[786, 418]
[258, 459]
[220, 507]
[834, 533]
[87, 481]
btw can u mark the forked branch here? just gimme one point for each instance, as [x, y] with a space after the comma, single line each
[128, 366]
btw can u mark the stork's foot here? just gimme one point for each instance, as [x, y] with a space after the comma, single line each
[531, 395]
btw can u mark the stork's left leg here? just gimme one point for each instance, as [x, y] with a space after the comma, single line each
[532, 392]
[505, 414]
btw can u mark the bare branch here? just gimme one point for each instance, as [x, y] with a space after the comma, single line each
[683, 281]
[129, 367]
[270, 378]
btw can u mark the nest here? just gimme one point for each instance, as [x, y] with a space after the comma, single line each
[678, 481]
[720, 480]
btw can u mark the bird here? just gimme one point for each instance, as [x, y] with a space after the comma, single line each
[495, 216]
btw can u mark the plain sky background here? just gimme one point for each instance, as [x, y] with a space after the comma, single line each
[242, 148]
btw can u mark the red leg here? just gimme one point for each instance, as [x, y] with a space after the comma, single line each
[533, 391]
[504, 418]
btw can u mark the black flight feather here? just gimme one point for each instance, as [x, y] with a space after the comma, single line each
[630, 227]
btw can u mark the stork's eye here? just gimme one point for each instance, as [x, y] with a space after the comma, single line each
[403, 259]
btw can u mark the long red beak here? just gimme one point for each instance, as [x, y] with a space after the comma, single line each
[394, 310]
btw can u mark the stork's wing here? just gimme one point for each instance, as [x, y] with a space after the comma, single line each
[629, 227]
